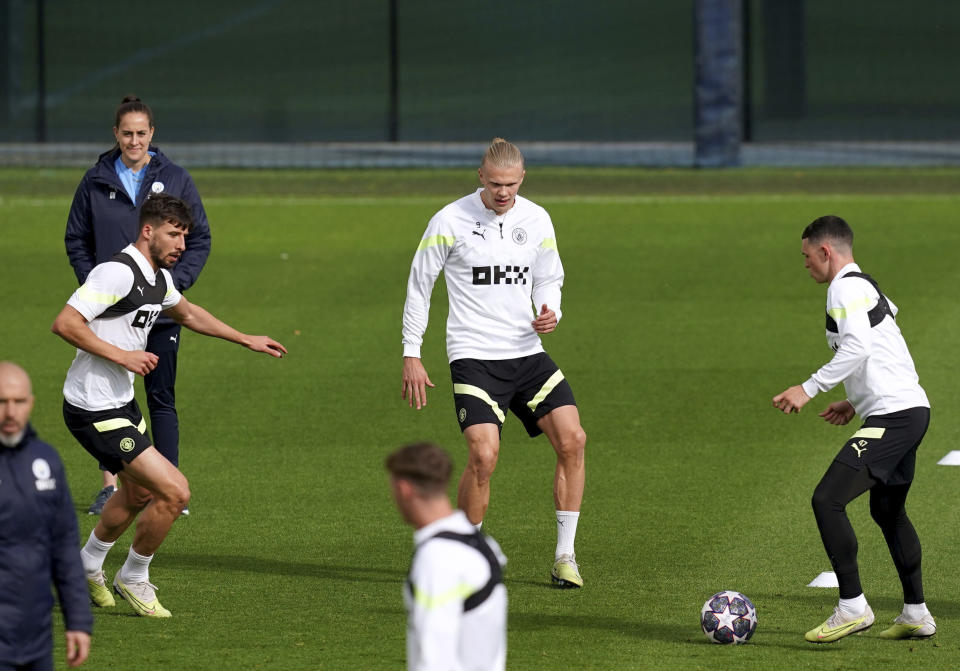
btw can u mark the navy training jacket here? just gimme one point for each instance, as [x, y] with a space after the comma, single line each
[103, 220]
[39, 545]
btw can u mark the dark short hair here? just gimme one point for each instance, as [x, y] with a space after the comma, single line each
[166, 209]
[828, 226]
[426, 465]
[132, 103]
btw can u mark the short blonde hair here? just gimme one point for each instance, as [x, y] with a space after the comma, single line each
[502, 154]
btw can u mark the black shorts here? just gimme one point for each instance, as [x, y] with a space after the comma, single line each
[886, 445]
[113, 437]
[530, 387]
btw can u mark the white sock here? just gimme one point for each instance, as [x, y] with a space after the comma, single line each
[914, 612]
[566, 532]
[93, 553]
[478, 525]
[855, 606]
[136, 568]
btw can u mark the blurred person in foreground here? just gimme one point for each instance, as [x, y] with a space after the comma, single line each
[498, 253]
[104, 218]
[39, 540]
[455, 597]
[872, 360]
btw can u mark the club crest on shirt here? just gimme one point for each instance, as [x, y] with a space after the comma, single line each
[519, 236]
[156, 187]
[41, 471]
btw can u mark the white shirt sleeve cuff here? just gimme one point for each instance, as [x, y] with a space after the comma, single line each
[811, 388]
[411, 350]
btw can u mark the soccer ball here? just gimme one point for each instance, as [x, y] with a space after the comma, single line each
[728, 617]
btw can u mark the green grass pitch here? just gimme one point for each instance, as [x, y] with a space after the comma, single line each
[686, 308]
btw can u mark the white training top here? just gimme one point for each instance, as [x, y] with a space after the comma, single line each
[440, 636]
[874, 364]
[499, 270]
[94, 383]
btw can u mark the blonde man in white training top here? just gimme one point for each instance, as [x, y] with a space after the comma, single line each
[498, 253]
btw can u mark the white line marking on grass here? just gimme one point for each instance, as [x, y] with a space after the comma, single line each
[320, 201]
[741, 197]
[439, 201]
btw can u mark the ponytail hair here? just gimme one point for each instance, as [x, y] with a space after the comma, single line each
[502, 154]
[132, 103]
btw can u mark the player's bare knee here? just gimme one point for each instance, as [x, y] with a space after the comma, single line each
[580, 439]
[132, 495]
[176, 495]
[483, 454]
[571, 444]
[482, 462]
[139, 500]
[483, 467]
[182, 496]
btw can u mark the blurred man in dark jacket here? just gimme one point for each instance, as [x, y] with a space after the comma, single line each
[39, 542]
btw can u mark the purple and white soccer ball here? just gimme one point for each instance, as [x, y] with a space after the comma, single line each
[728, 617]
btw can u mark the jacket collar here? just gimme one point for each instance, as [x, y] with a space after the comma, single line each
[104, 171]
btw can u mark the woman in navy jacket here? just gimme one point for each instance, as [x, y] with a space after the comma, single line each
[39, 542]
[104, 219]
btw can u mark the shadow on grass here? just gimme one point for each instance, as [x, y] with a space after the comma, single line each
[825, 599]
[537, 621]
[272, 566]
[120, 610]
[544, 584]
[820, 602]
[667, 632]
[768, 634]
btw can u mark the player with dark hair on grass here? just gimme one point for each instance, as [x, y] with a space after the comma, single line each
[103, 219]
[872, 360]
[108, 319]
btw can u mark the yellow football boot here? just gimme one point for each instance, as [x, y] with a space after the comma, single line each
[566, 573]
[839, 625]
[141, 596]
[99, 592]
